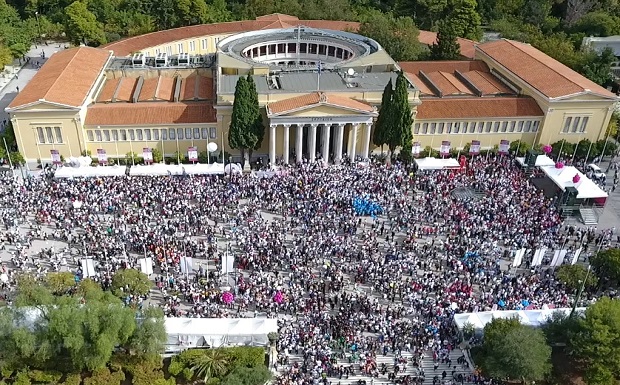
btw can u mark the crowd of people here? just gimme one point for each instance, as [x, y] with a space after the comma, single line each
[345, 287]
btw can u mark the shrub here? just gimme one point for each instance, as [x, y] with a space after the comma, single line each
[176, 367]
[245, 357]
[145, 370]
[188, 374]
[188, 356]
[44, 376]
[22, 379]
[73, 379]
[103, 376]
[6, 372]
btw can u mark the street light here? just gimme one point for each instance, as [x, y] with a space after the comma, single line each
[578, 296]
[36, 15]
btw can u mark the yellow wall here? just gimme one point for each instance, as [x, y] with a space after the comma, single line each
[172, 48]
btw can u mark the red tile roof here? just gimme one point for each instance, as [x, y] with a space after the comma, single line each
[149, 87]
[465, 108]
[107, 92]
[316, 98]
[130, 45]
[66, 78]
[550, 77]
[145, 113]
[443, 66]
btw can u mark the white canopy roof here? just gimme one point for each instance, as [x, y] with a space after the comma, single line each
[430, 163]
[563, 178]
[541, 161]
[174, 169]
[90, 172]
[184, 333]
[526, 317]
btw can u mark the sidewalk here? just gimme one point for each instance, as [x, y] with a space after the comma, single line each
[25, 72]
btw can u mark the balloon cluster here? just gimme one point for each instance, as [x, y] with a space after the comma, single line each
[364, 206]
[576, 178]
[278, 297]
[470, 258]
[228, 297]
[547, 149]
[559, 165]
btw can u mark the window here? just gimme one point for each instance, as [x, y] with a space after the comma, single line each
[172, 134]
[528, 126]
[188, 133]
[179, 133]
[123, 135]
[472, 127]
[496, 127]
[156, 134]
[416, 128]
[169, 50]
[487, 129]
[520, 126]
[139, 134]
[456, 127]
[58, 133]
[164, 134]
[576, 122]
[180, 47]
[480, 127]
[147, 134]
[204, 43]
[49, 134]
[132, 135]
[504, 126]
[433, 128]
[567, 123]
[115, 135]
[512, 126]
[41, 135]
[584, 124]
[535, 126]
[98, 135]
[424, 128]
[196, 133]
[205, 132]
[440, 128]
[192, 46]
[449, 128]
[89, 133]
[106, 135]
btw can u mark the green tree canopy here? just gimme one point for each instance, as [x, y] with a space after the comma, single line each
[573, 276]
[397, 35]
[82, 25]
[257, 127]
[399, 133]
[383, 123]
[241, 134]
[130, 282]
[606, 264]
[446, 47]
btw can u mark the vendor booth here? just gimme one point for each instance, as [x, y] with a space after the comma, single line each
[186, 333]
[569, 176]
[177, 169]
[430, 163]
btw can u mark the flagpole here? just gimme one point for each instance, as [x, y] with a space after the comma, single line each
[588, 154]
[603, 153]
[318, 77]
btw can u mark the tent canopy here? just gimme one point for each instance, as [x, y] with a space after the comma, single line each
[526, 317]
[174, 169]
[185, 333]
[541, 161]
[430, 163]
[563, 178]
[90, 172]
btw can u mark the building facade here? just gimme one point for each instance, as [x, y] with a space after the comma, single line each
[320, 87]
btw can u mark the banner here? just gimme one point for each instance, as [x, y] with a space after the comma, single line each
[102, 156]
[416, 149]
[186, 265]
[55, 157]
[445, 148]
[147, 155]
[88, 268]
[146, 265]
[228, 262]
[576, 256]
[504, 146]
[192, 154]
[474, 148]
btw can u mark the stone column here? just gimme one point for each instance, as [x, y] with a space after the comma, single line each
[326, 132]
[366, 147]
[353, 134]
[339, 142]
[299, 144]
[312, 142]
[272, 144]
[285, 148]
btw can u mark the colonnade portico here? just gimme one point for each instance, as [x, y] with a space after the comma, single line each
[331, 142]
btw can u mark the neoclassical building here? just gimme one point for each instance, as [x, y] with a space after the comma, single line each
[319, 84]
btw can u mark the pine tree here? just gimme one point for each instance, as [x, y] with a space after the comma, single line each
[447, 46]
[241, 135]
[382, 125]
[257, 128]
[400, 134]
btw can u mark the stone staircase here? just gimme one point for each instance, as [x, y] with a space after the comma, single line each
[588, 216]
[465, 193]
[426, 366]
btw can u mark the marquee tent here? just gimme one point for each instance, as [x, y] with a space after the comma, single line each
[90, 172]
[563, 178]
[185, 333]
[541, 161]
[430, 163]
[174, 169]
[527, 317]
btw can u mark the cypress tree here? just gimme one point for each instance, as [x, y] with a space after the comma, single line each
[447, 46]
[382, 125]
[240, 135]
[400, 134]
[257, 128]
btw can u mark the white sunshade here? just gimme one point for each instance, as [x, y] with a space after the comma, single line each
[526, 317]
[541, 161]
[90, 172]
[563, 178]
[430, 163]
[174, 169]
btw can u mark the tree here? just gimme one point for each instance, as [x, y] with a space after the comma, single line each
[425, 12]
[576, 9]
[597, 67]
[447, 46]
[573, 276]
[465, 19]
[515, 351]
[212, 363]
[60, 283]
[598, 23]
[597, 342]
[247, 376]
[583, 147]
[130, 282]
[151, 336]
[563, 146]
[606, 264]
[612, 127]
[6, 56]
[397, 35]
[256, 119]
[17, 158]
[241, 135]
[399, 134]
[132, 157]
[82, 25]
[560, 328]
[157, 155]
[383, 123]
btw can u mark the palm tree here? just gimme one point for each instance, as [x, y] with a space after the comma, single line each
[212, 363]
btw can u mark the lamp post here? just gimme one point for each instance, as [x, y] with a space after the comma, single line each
[36, 15]
[578, 296]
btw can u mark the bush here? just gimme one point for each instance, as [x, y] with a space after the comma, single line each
[176, 367]
[187, 374]
[73, 379]
[22, 379]
[103, 376]
[245, 357]
[45, 377]
[188, 356]
[145, 370]
[6, 372]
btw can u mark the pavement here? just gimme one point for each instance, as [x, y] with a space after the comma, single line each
[25, 72]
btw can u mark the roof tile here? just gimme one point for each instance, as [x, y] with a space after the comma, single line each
[128, 114]
[464, 108]
[316, 98]
[107, 92]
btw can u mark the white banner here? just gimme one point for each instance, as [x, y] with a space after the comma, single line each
[538, 257]
[576, 256]
[228, 262]
[146, 265]
[518, 257]
[561, 257]
[147, 155]
[55, 157]
[186, 265]
[445, 148]
[474, 148]
[416, 149]
[102, 156]
[88, 268]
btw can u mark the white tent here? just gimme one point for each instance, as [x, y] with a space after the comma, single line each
[563, 178]
[90, 172]
[526, 317]
[174, 169]
[430, 163]
[185, 333]
[541, 161]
